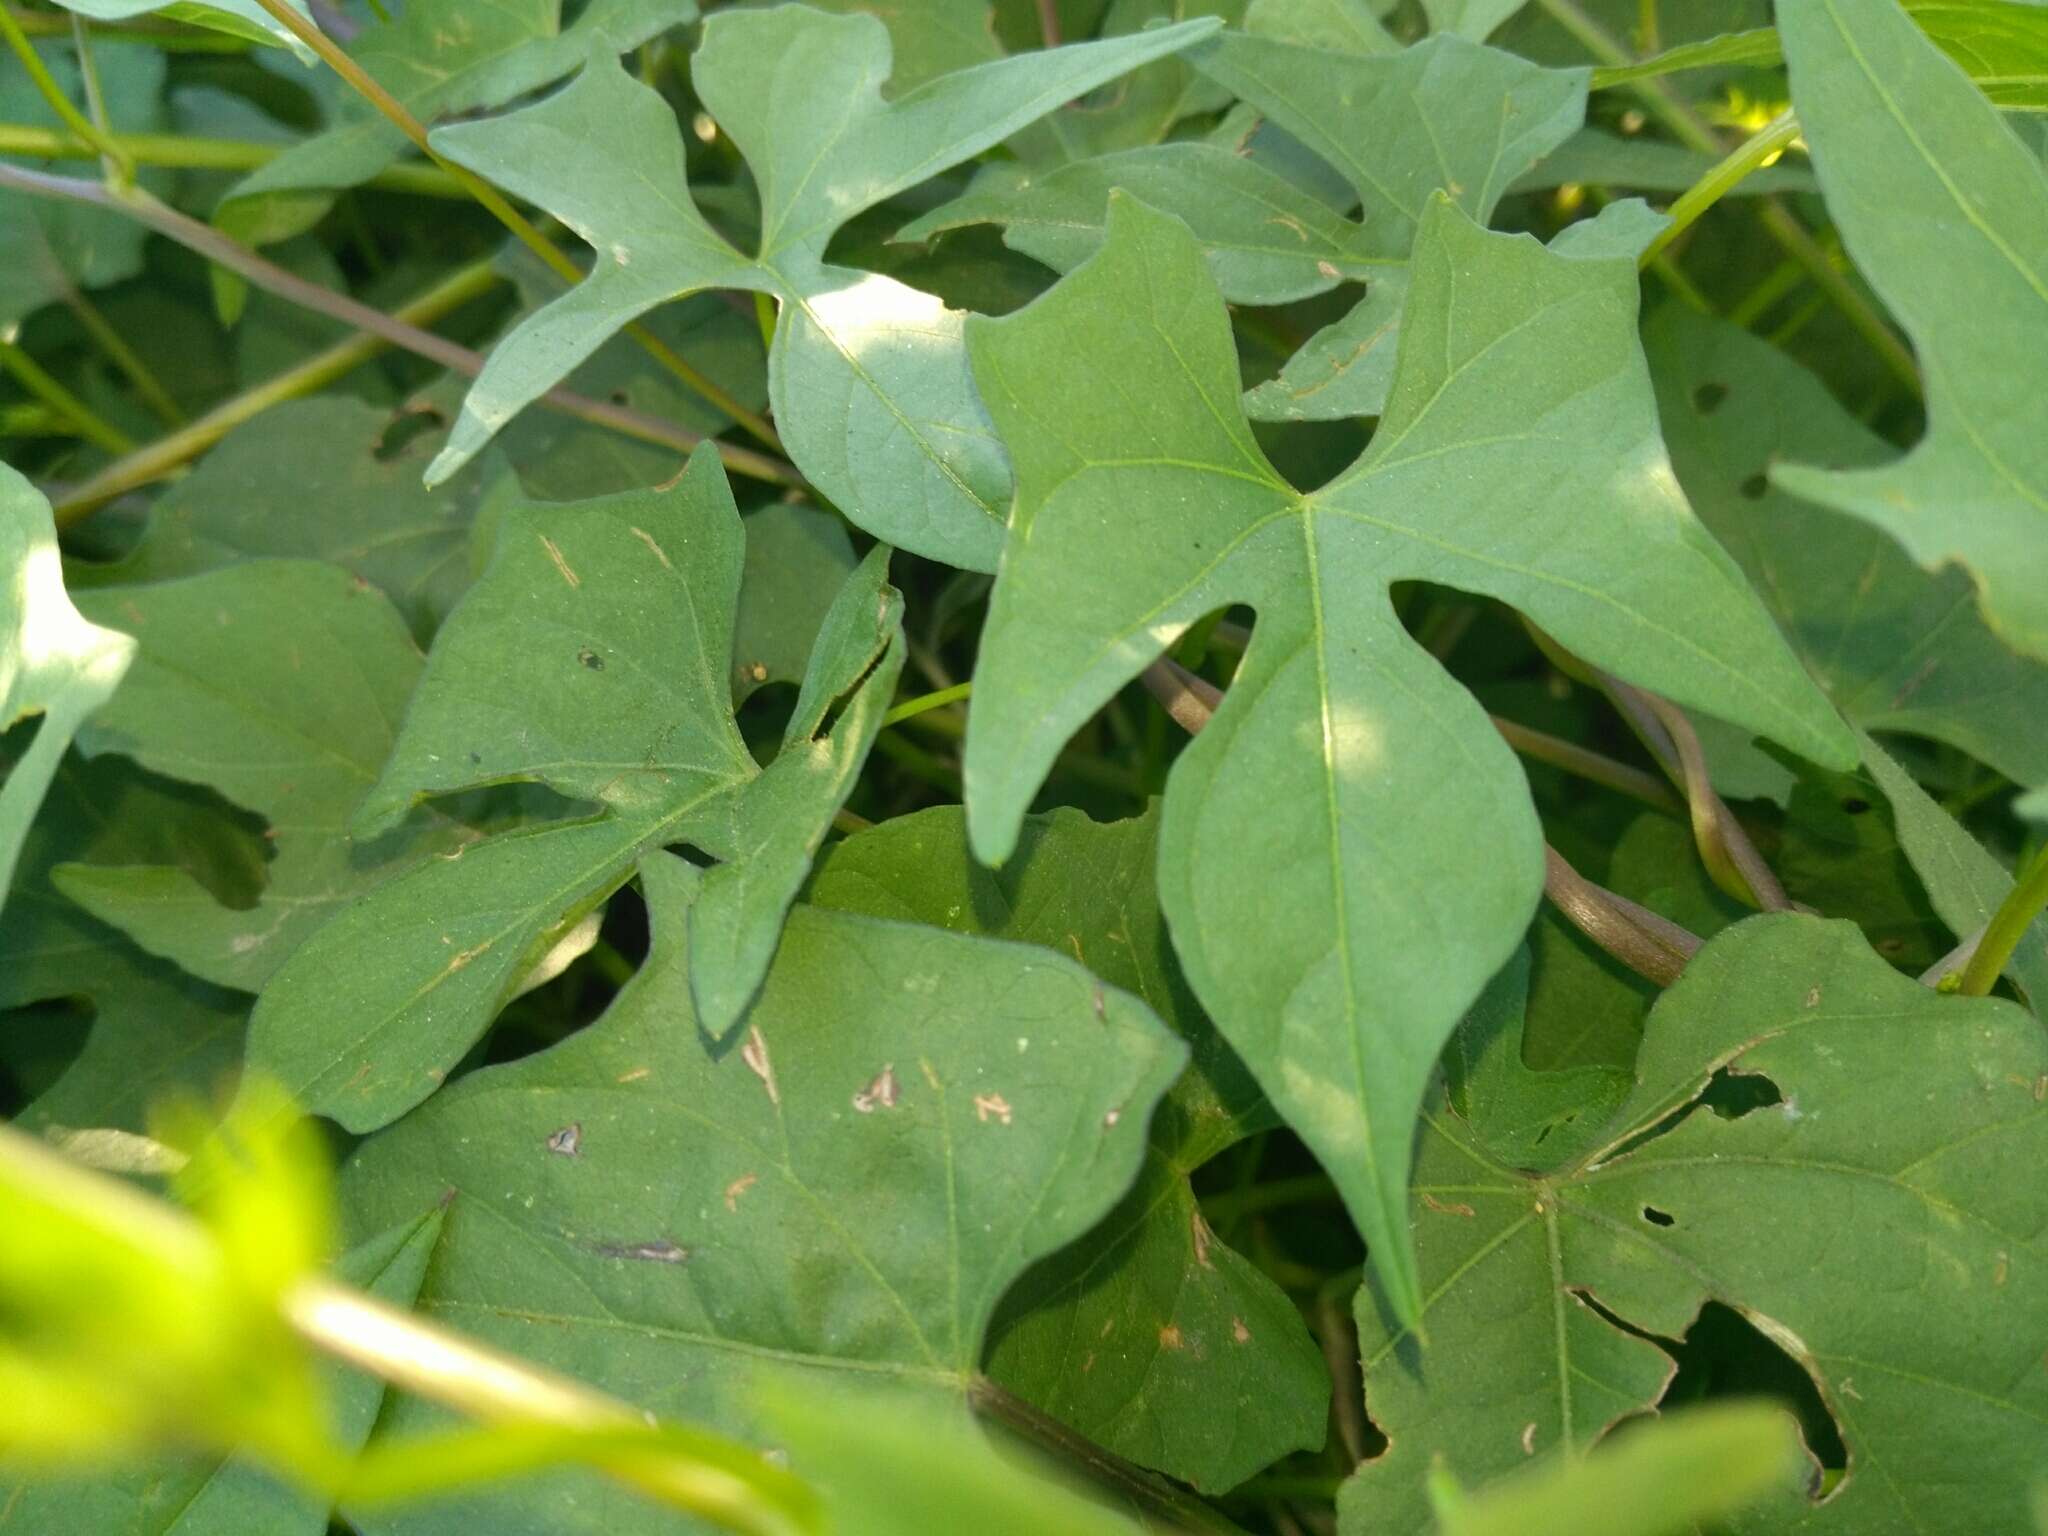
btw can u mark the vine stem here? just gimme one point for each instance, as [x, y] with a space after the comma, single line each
[54, 94]
[88, 423]
[2007, 928]
[1755, 152]
[1178, 1509]
[1778, 220]
[178, 151]
[1650, 945]
[495, 203]
[391, 329]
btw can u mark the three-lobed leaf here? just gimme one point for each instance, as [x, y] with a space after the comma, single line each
[868, 378]
[620, 613]
[1863, 1217]
[1347, 781]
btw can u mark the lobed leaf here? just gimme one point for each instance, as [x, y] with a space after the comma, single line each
[1360, 792]
[1865, 1220]
[840, 1197]
[868, 378]
[1945, 211]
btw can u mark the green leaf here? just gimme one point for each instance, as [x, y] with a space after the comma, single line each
[887, 1467]
[622, 612]
[229, 1496]
[50, 249]
[1401, 129]
[310, 480]
[1135, 1333]
[1945, 211]
[2002, 45]
[54, 662]
[1896, 648]
[1341, 26]
[1474, 19]
[1267, 240]
[841, 1197]
[797, 557]
[1346, 779]
[439, 60]
[278, 683]
[1886, 1156]
[238, 18]
[868, 377]
[1667, 1476]
[1964, 883]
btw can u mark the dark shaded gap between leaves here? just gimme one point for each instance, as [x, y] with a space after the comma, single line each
[840, 700]
[548, 1015]
[407, 425]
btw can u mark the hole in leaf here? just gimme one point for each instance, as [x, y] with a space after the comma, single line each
[1731, 1095]
[1725, 1355]
[1708, 397]
[1755, 486]
[620, 397]
[1658, 1218]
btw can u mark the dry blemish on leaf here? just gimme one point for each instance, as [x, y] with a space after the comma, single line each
[758, 671]
[1199, 1231]
[2002, 1268]
[1813, 997]
[635, 1075]
[1109, 1120]
[881, 1093]
[1849, 1389]
[1529, 1438]
[929, 1075]
[568, 1141]
[1328, 269]
[1447, 1207]
[1288, 222]
[649, 1253]
[590, 659]
[1169, 1337]
[738, 1187]
[1088, 1364]
[459, 961]
[561, 564]
[648, 539]
[755, 1054]
[1239, 1332]
[986, 1104]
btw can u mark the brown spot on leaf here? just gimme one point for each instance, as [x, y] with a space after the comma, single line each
[1239, 1332]
[662, 1252]
[987, 1104]
[1199, 1230]
[738, 1187]
[1813, 997]
[1447, 1207]
[568, 1141]
[590, 659]
[561, 563]
[648, 539]
[882, 1093]
[1169, 1337]
[755, 1054]
[1328, 269]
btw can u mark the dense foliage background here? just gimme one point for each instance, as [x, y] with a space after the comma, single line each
[1297, 747]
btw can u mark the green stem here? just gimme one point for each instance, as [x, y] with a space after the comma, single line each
[168, 454]
[54, 94]
[165, 36]
[1781, 281]
[123, 357]
[911, 708]
[184, 152]
[495, 203]
[1755, 152]
[2008, 926]
[96, 100]
[1163, 1501]
[90, 424]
